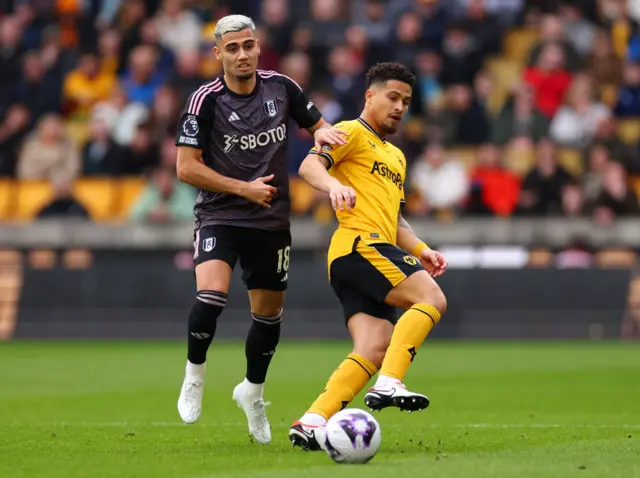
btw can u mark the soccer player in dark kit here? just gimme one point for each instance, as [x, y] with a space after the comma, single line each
[232, 145]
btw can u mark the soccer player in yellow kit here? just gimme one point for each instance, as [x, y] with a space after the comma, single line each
[375, 261]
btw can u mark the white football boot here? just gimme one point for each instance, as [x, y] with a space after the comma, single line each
[255, 409]
[308, 437]
[190, 400]
[397, 395]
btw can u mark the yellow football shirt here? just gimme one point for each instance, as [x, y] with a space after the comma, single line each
[376, 170]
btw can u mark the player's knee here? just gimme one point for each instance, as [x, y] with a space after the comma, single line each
[438, 300]
[208, 307]
[434, 296]
[267, 319]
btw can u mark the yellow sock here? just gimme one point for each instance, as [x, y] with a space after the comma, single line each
[408, 335]
[343, 385]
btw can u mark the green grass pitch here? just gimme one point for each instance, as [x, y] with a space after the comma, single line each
[108, 409]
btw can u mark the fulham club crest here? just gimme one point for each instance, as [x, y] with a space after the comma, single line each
[208, 244]
[271, 108]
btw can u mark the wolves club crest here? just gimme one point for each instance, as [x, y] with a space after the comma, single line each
[271, 108]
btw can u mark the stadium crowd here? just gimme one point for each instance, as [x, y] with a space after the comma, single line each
[520, 108]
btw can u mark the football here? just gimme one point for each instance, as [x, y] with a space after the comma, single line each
[353, 436]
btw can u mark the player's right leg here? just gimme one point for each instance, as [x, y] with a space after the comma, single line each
[370, 324]
[214, 258]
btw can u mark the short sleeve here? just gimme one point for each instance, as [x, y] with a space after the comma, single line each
[337, 152]
[196, 121]
[301, 108]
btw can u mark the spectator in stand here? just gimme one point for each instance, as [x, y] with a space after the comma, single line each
[462, 112]
[179, 29]
[616, 199]
[187, 77]
[520, 118]
[549, 79]
[109, 45]
[269, 58]
[552, 32]
[579, 31]
[607, 134]
[297, 66]
[347, 82]
[101, 156]
[142, 154]
[142, 78]
[327, 105]
[603, 63]
[541, 188]
[461, 58]
[441, 181]
[63, 205]
[484, 27]
[165, 57]
[13, 130]
[598, 157]
[615, 16]
[575, 124]
[57, 57]
[326, 31]
[408, 34]
[373, 16]
[121, 116]
[276, 19]
[87, 85]
[506, 11]
[36, 89]
[10, 58]
[429, 68]
[499, 188]
[49, 154]
[573, 200]
[164, 114]
[165, 199]
[628, 105]
[434, 19]
[131, 17]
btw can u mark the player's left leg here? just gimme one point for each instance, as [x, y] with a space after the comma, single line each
[265, 261]
[425, 303]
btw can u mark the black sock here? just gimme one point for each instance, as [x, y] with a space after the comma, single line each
[261, 344]
[202, 323]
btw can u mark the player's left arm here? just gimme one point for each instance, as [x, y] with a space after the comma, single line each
[305, 113]
[434, 262]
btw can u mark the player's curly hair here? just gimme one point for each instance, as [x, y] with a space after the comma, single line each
[383, 72]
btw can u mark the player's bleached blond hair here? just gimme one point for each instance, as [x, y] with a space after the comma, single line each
[233, 23]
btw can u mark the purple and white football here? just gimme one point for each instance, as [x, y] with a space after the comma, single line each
[353, 436]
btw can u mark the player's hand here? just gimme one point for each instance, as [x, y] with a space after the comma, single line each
[341, 197]
[259, 192]
[433, 262]
[329, 136]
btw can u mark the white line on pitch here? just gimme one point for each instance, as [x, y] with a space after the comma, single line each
[242, 424]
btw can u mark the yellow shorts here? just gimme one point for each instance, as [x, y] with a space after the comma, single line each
[363, 278]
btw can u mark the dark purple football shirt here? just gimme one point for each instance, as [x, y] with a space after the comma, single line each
[245, 137]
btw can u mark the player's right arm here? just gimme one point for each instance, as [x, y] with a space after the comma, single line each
[315, 171]
[192, 170]
[192, 138]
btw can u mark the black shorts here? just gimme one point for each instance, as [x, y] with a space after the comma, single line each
[363, 279]
[264, 255]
